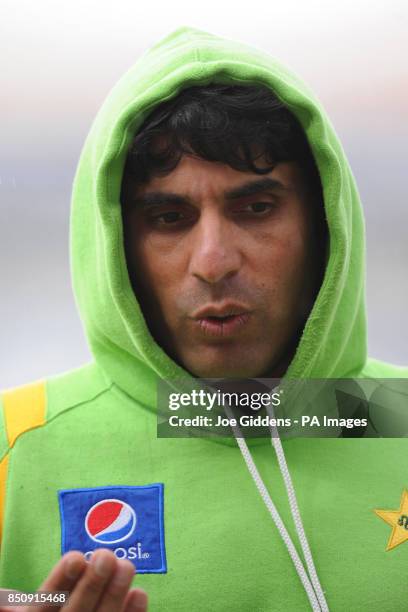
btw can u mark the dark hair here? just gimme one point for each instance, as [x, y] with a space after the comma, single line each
[232, 124]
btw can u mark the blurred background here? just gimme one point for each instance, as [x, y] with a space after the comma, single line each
[59, 61]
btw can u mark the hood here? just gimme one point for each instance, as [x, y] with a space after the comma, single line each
[333, 344]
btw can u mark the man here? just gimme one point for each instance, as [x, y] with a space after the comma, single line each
[216, 233]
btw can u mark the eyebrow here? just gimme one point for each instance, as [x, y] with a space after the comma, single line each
[157, 198]
[254, 187]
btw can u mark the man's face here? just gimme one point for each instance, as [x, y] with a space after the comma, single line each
[224, 264]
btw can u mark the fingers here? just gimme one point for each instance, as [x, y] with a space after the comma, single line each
[115, 594]
[63, 577]
[65, 573]
[99, 586]
[136, 601]
[103, 586]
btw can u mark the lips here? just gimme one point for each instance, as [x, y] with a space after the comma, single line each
[222, 320]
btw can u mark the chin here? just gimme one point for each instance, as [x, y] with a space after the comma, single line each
[224, 370]
[233, 361]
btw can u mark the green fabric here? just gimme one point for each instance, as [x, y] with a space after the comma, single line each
[223, 550]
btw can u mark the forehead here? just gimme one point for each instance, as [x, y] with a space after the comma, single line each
[196, 178]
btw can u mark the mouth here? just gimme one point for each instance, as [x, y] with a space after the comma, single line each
[222, 321]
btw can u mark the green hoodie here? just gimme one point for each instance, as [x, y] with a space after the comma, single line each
[80, 451]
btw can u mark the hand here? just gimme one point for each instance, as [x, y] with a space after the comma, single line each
[99, 586]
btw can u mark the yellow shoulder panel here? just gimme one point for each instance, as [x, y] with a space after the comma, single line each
[23, 409]
[3, 480]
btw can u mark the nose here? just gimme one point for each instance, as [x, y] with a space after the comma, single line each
[215, 253]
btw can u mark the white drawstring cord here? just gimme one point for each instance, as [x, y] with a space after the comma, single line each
[275, 514]
[277, 445]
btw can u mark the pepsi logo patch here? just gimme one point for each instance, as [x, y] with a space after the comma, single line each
[127, 520]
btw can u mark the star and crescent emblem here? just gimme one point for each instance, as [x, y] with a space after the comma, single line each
[398, 520]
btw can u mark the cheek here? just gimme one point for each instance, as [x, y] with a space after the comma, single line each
[280, 253]
[281, 263]
[159, 274]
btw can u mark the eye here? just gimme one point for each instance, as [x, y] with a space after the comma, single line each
[168, 218]
[258, 208]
